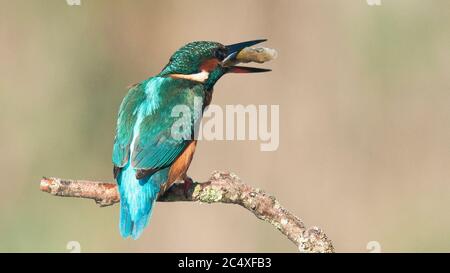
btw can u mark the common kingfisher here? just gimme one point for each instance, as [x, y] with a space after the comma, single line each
[147, 158]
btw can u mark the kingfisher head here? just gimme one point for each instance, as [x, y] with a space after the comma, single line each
[206, 62]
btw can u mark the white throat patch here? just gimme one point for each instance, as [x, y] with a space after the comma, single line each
[198, 77]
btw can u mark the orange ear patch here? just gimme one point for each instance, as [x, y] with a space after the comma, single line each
[209, 65]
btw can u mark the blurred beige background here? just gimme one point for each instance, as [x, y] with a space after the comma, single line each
[364, 120]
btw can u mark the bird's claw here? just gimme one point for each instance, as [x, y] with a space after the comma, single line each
[187, 185]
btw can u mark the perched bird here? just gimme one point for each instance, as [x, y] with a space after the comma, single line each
[147, 158]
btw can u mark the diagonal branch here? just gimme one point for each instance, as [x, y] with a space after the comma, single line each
[222, 187]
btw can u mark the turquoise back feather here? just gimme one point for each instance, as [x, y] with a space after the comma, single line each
[144, 142]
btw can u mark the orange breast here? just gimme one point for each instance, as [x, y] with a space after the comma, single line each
[179, 168]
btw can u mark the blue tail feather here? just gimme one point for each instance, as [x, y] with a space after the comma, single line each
[126, 225]
[137, 198]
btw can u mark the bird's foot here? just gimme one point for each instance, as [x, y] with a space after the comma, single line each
[187, 185]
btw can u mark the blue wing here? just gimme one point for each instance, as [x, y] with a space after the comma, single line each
[125, 123]
[158, 144]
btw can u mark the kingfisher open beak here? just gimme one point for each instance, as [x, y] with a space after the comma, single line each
[233, 50]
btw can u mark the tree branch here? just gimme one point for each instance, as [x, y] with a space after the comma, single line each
[222, 187]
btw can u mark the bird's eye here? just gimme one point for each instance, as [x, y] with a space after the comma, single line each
[220, 54]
